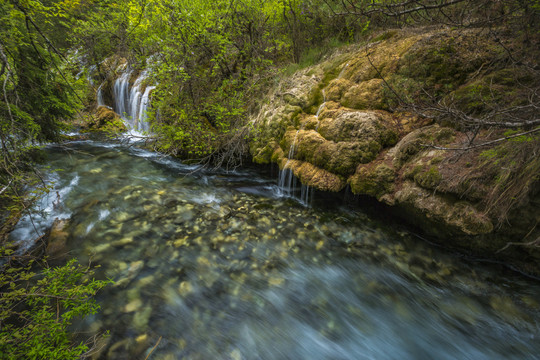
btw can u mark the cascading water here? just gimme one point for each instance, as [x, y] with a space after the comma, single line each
[132, 102]
[287, 181]
[143, 108]
[121, 94]
[99, 96]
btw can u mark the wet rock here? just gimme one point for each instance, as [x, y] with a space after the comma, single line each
[123, 242]
[57, 239]
[133, 306]
[141, 318]
[104, 119]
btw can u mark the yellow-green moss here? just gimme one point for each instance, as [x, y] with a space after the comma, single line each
[366, 95]
[428, 179]
[374, 182]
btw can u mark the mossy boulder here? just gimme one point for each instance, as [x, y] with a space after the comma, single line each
[359, 125]
[440, 215]
[337, 157]
[366, 95]
[264, 156]
[379, 58]
[420, 140]
[337, 88]
[428, 179]
[375, 181]
[314, 176]
[104, 119]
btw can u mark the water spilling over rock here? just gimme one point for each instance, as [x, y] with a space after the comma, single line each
[132, 101]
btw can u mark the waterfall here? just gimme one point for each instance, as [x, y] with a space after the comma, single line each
[100, 101]
[121, 94]
[287, 182]
[143, 116]
[132, 103]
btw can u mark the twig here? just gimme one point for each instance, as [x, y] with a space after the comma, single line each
[482, 144]
[154, 348]
[6, 187]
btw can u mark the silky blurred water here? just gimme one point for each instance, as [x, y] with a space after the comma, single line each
[218, 266]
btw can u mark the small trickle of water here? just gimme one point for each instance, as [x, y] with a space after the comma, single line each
[343, 71]
[99, 96]
[322, 105]
[287, 180]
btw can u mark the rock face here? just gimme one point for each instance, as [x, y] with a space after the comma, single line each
[332, 126]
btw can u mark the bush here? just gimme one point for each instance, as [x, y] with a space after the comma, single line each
[36, 309]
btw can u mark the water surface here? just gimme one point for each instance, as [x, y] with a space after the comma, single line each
[218, 267]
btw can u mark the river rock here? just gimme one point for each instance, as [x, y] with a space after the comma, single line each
[57, 239]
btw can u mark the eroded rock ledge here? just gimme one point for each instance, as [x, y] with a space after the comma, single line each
[331, 125]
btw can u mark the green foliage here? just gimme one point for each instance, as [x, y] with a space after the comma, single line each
[36, 309]
[37, 87]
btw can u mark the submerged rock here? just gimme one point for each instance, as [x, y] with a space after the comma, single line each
[57, 240]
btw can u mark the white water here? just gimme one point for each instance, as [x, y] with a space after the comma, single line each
[287, 182]
[37, 220]
[143, 108]
[121, 94]
[132, 103]
[99, 95]
[217, 269]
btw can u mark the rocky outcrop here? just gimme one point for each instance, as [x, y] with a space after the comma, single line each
[332, 126]
[103, 119]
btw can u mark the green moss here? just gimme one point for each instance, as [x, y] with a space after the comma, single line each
[411, 171]
[428, 179]
[408, 150]
[376, 182]
[389, 137]
[444, 135]
[264, 155]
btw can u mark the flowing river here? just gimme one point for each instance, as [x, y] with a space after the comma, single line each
[215, 265]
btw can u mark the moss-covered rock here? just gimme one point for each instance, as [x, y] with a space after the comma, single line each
[337, 157]
[439, 215]
[313, 176]
[374, 181]
[103, 119]
[366, 95]
[420, 140]
[337, 88]
[428, 179]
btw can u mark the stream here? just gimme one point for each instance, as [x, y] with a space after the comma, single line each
[217, 265]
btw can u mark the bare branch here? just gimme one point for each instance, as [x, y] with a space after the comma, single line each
[487, 143]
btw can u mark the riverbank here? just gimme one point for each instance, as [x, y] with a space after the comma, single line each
[351, 121]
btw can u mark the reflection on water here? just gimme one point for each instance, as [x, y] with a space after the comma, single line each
[218, 267]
